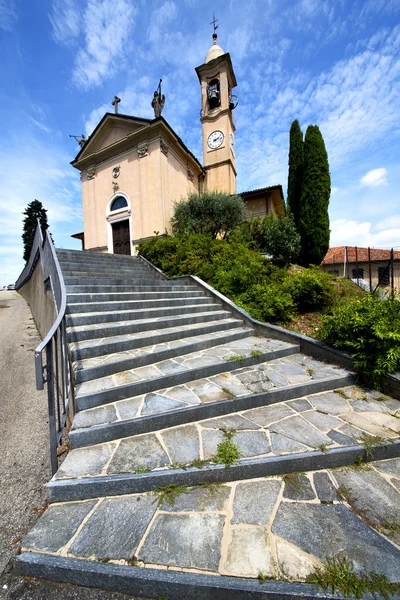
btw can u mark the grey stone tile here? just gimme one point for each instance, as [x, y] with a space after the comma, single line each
[229, 383]
[283, 445]
[266, 415]
[300, 405]
[325, 489]
[368, 406]
[363, 421]
[137, 452]
[169, 367]
[330, 403]
[277, 379]
[212, 498]
[148, 372]
[322, 421]
[258, 388]
[254, 376]
[128, 409]
[155, 403]
[251, 443]
[85, 461]
[233, 421]
[123, 378]
[391, 466]
[297, 487]
[57, 526]
[300, 430]
[249, 553]
[115, 528]
[351, 432]
[182, 443]
[95, 416]
[202, 361]
[254, 501]
[371, 494]
[323, 530]
[183, 394]
[211, 438]
[185, 541]
[341, 438]
[208, 391]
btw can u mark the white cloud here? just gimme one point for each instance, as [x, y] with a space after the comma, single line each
[66, 21]
[385, 234]
[8, 14]
[374, 177]
[160, 21]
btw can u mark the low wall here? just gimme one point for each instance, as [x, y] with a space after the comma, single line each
[40, 300]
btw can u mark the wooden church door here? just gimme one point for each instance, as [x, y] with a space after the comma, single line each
[121, 237]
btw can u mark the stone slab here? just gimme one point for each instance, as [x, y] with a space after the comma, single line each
[322, 421]
[95, 416]
[297, 487]
[85, 461]
[284, 445]
[300, 430]
[57, 526]
[252, 443]
[182, 443]
[391, 466]
[249, 553]
[330, 403]
[300, 405]
[211, 498]
[254, 502]
[138, 452]
[185, 541]
[115, 528]
[325, 489]
[155, 403]
[266, 415]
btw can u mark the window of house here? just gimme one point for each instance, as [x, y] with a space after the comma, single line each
[118, 203]
[384, 276]
[357, 274]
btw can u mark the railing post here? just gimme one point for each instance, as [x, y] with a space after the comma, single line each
[50, 398]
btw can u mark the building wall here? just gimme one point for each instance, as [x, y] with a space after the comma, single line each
[151, 184]
[351, 272]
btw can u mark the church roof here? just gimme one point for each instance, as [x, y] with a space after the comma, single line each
[264, 189]
[142, 123]
[214, 52]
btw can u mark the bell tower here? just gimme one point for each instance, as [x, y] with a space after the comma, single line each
[217, 81]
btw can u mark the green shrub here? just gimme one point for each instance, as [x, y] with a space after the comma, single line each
[268, 303]
[311, 290]
[281, 239]
[250, 233]
[213, 213]
[369, 329]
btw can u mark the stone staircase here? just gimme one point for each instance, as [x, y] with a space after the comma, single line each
[203, 455]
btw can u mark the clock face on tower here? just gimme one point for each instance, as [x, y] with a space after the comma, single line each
[215, 139]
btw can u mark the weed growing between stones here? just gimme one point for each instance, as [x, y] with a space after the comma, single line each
[381, 399]
[236, 357]
[323, 448]
[341, 393]
[338, 576]
[294, 482]
[104, 560]
[255, 353]
[169, 494]
[227, 452]
[310, 372]
[141, 470]
[370, 442]
[132, 562]
[391, 525]
[228, 393]
[263, 577]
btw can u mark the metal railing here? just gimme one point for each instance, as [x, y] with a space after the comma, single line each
[56, 370]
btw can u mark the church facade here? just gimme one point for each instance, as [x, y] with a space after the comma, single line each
[133, 170]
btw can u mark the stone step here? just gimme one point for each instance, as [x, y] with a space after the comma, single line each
[82, 333]
[121, 343]
[116, 305]
[168, 373]
[154, 286]
[214, 541]
[74, 298]
[241, 389]
[77, 255]
[101, 272]
[99, 367]
[131, 315]
[111, 281]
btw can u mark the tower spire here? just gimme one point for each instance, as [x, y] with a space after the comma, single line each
[214, 23]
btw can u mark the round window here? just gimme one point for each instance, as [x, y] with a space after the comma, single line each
[118, 203]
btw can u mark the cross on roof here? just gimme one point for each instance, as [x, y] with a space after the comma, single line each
[115, 103]
[213, 22]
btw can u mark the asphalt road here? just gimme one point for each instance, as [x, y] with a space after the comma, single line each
[24, 454]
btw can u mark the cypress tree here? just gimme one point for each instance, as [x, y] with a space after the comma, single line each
[295, 178]
[314, 202]
[33, 212]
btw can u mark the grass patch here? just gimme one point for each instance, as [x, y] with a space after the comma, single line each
[338, 576]
[310, 372]
[341, 393]
[391, 524]
[228, 393]
[255, 353]
[295, 483]
[370, 442]
[323, 448]
[141, 470]
[132, 562]
[169, 494]
[227, 452]
[236, 357]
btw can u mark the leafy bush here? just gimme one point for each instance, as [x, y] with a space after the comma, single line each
[281, 239]
[268, 303]
[369, 329]
[211, 212]
[311, 290]
[250, 233]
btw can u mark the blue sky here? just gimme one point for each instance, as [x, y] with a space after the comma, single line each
[335, 63]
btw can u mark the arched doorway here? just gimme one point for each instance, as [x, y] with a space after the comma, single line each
[119, 225]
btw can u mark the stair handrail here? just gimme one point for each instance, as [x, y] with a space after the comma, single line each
[56, 371]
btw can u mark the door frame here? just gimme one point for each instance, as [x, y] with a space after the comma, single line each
[123, 214]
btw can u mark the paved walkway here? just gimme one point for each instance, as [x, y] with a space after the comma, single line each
[25, 464]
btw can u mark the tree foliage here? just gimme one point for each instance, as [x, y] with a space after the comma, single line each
[211, 212]
[33, 212]
[281, 239]
[295, 178]
[316, 189]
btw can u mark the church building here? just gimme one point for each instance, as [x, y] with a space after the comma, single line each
[133, 170]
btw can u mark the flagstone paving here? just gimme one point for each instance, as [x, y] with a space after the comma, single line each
[280, 526]
[164, 392]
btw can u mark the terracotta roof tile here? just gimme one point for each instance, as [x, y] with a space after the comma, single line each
[337, 254]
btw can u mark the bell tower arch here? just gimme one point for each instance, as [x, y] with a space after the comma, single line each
[217, 80]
